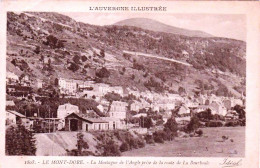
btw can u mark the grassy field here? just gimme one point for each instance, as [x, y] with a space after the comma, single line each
[210, 144]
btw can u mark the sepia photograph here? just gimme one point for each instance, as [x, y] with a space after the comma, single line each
[137, 85]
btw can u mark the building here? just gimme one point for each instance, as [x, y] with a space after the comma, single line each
[10, 103]
[184, 110]
[219, 108]
[66, 86]
[140, 115]
[63, 111]
[101, 108]
[101, 89]
[79, 122]
[183, 120]
[39, 83]
[117, 89]
[11, 77]
[114, 123]
[227, 104]
[118, 109]
[201, 108]
[136, 106]
[18, 91]
[13, 117]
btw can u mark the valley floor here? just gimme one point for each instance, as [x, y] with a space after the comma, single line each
[209, 145]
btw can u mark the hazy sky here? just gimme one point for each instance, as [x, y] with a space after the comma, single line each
[230, 26]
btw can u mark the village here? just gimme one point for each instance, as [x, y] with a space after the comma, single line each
[121, 108]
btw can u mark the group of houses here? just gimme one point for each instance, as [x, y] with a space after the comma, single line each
[70, 118]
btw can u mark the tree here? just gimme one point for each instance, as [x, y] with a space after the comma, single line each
[240, 110]
[103, 73]
[73, 67]
[112, 96]
[37, 50]
[181, 90]
[76, 59]
[53, 42]
[81, 144]
[110, 149]
[193, 124]
[171, 127]
[102, 53]
[19, 141]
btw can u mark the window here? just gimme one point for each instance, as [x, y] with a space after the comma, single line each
[86, 127]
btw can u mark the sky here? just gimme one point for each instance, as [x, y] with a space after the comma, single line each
[220, 25]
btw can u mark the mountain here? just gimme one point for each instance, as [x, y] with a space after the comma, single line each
[154, 25]
[45, 45]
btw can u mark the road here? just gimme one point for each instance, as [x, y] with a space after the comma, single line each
[157, 57]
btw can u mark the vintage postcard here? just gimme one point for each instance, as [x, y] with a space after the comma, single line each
[130, 84]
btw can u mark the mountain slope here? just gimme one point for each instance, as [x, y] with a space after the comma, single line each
[153, 25]
[77, 50]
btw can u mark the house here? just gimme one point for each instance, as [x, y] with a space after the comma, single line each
[13, 117]
[174, 97]
[39, 83]
[101, 89]
[118, 109]
[183, 120]
[48, 60]
[219, 108]
[139, 130]
[185, 54]
[140, 115]
[155, 107]
[227, 104]
[101, 108]
[136, 106]
[114, 123]
[9, 103]
[79, 122]
[89, 85]
[235, 101]
[231, 114]
[11, 77]
[135, 93]
[117, 89]
[63, 111]
[66, 86]
[18, 91]
[201, 108]
[184, 110]
[201, 99]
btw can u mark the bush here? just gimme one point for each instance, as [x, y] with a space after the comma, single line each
[170, 128]
[232, 123]
[54, 42]
[149, 139]
[133, 143]
[124, 147]
[103, 73]
[76, 59]
[214, 124]
[158, 139]
[193, 124]
[37, 50]
[140, 143]
[102, 53]
[73, 67]
[110, 149]
[199, 132]
[84, 58]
